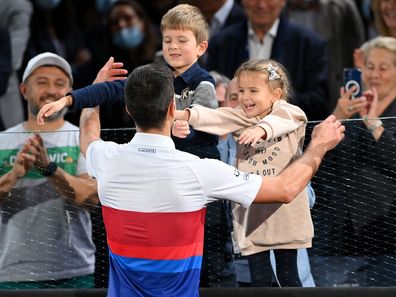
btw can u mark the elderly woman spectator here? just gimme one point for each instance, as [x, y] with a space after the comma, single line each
[379, 77]
[360, 187]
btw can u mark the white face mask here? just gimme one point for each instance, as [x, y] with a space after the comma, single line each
[48, 4]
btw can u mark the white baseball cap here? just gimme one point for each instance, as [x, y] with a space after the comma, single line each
[45, 59]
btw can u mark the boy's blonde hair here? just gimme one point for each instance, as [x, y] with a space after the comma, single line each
[275, 73]
[186, 17]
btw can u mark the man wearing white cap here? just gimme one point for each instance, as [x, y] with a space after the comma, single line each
[45, 228]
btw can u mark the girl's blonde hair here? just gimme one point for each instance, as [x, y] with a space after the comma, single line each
[275, 73]
[186, 17]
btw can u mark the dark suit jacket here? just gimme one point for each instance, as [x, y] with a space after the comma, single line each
[302, 52]
[5, 59]
[5, 64]
[236, 15]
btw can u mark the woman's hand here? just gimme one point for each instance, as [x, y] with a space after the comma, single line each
[358, 58]
[347, 107]
[370, 109]
[369, 114]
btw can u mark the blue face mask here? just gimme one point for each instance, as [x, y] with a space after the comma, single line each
[103, 5]
[128, 38]
[366, 9]
[48, 4]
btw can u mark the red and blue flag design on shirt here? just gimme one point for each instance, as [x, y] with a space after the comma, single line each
[154, 254]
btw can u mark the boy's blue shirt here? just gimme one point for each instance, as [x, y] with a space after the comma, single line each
[191, 78]
[201, 144]
[106, 93]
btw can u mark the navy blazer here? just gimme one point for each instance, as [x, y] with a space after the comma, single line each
[5, 64]
[236, 15]
[5, 59]
[302, 52]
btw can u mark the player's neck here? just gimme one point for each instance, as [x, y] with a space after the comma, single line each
[165, 130]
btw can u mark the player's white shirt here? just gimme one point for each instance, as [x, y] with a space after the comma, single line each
[149, 175]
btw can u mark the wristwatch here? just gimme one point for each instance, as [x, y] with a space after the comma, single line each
[373, 124]
[49, 170]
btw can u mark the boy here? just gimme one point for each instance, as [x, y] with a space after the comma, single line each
[184, 40]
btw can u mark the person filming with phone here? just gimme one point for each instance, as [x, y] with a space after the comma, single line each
[364, 197]
[379, 78]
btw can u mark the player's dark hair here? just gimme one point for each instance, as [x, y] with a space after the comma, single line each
[148, 92]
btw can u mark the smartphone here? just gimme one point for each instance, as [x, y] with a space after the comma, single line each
[353, 77]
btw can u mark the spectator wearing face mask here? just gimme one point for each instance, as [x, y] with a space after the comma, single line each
[129, 36]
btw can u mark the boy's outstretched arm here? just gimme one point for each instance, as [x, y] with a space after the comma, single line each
[113, 90]
[50, 108]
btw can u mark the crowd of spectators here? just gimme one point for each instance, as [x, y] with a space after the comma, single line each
[87, 33]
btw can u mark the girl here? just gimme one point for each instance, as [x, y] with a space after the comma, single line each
[270, 133]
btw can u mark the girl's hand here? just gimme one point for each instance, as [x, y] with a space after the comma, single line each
[252, 135]
[180, 129]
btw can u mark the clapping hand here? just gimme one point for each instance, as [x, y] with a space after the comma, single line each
[369, 110]
[38, 151]
[24, 161]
